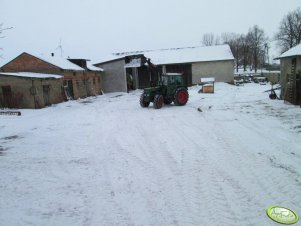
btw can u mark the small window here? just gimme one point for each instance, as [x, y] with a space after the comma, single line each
[74, 73]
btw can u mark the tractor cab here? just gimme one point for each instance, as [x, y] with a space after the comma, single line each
[170, 79]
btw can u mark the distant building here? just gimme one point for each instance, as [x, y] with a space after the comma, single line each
[290, 67]
[193, 62]
[79, 78]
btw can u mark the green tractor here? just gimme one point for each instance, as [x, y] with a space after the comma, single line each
[170, 89]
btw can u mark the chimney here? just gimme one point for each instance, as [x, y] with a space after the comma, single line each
[52, 54]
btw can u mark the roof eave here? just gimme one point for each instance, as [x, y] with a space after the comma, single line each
[281, 57]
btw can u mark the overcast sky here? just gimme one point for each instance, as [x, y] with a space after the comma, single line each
[94, 28]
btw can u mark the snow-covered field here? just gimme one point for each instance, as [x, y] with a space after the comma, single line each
[107, 161]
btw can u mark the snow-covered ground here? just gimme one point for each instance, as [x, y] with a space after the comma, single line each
[107, 161]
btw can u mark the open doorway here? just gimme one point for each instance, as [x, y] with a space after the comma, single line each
[7, 97]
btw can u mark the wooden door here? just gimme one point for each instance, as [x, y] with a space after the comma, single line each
[7, 97]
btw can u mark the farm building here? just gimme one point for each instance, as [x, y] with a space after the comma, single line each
[30, 90]
[193, 62]
[290, 67]
[78, 81]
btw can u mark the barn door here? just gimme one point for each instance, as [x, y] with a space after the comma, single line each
[7, 96]
[70, 87]
[46, 95]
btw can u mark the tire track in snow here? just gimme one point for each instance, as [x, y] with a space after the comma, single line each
[166, 182]
[252, 179]
[228, 158]
[203, 182]
[284, 178]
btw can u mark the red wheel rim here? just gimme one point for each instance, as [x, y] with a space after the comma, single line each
[182, 97]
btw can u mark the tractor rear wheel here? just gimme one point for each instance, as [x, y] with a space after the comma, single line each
[181, 96]
[143, 103]
[158, 101]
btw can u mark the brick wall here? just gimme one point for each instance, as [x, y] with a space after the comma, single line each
[28, 63]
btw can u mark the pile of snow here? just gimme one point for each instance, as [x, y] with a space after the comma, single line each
[106, 161]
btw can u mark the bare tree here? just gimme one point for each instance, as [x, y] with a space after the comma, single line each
[256, 40]
[1, 31]
[289, 34]
[208, 39]
[234, 41]
[217, 40]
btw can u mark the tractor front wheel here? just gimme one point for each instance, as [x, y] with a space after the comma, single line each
[143, 103]
[181, 96]
[158, 101]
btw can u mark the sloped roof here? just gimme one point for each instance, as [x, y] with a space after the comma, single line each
[180, 55]
[91, 67]
[295, 51]
[61, 62]
[31, 75]
[190, 55]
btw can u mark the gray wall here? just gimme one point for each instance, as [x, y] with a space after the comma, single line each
[114, 78]
[221, 70]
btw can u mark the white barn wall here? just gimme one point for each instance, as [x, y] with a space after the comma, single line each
[221, 70]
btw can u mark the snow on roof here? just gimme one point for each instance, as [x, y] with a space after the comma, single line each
[110, 58]
[209, 79]
[91, 67]
[61, 63]
[295, 51]
[190, 54]
[31, 75]
[181, 55]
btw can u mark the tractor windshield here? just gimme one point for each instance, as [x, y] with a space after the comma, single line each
[164, 80]
[171, 80]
